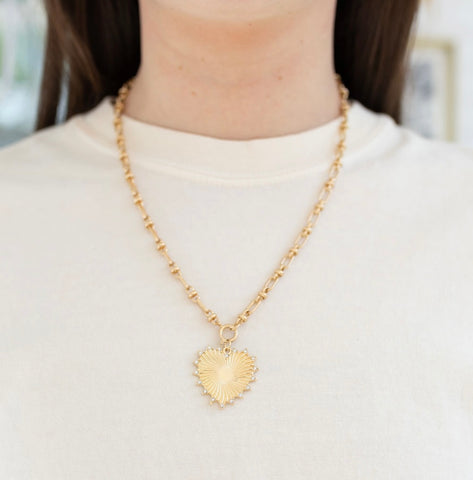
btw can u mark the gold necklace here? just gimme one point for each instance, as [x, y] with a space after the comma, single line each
[225, 373]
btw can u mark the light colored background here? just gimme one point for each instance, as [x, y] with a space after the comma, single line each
[22, 26]
[439, 95]
[449, 24]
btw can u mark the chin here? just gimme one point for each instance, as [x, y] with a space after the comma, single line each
[233, 10]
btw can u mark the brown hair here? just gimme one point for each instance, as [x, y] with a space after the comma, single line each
[93, 47]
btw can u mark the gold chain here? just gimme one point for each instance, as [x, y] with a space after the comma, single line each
[286, 260]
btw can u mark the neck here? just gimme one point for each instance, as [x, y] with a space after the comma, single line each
[242, 79]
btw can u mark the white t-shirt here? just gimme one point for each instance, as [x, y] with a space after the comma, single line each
[364, 347]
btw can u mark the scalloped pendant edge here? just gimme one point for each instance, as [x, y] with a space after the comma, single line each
[222, 398]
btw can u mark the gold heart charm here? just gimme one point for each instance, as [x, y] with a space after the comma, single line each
[224, 374]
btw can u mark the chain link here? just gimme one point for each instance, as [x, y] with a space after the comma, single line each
[285, 261]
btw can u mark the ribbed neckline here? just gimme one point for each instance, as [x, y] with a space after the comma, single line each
[155, 146]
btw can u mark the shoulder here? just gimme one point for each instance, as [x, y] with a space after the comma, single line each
[432, 154]
[390, 140]
[401, 158]
[51, 172]
[423, 187]
[60, 151]
[442, 167]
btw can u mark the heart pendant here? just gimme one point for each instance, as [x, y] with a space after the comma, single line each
[224, 374]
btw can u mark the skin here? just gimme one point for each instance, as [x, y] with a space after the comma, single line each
[236, 69]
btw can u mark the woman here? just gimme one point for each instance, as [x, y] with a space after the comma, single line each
[233, 126]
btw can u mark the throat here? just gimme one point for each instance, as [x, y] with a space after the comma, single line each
[236, 79]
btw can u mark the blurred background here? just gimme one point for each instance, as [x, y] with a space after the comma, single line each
[438, 100]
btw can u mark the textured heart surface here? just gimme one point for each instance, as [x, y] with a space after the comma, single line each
[225, 375]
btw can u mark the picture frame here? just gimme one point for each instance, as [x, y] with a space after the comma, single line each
[429, 98]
